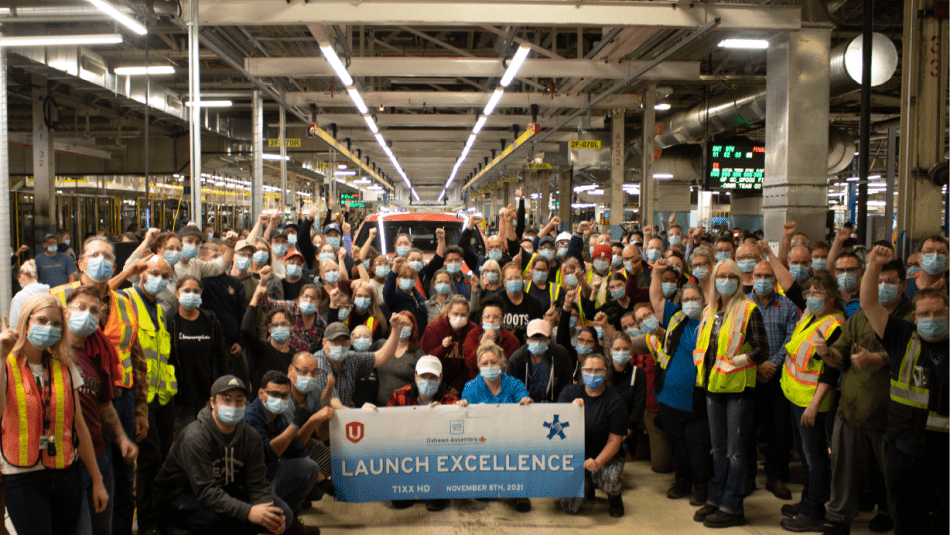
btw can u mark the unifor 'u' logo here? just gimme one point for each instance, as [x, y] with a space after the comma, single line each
[354, 432]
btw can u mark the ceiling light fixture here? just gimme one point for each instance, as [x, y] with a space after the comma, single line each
[371, 124]
[337, 65]
[479, 124]
[515, 65]
[268, 156]
[662, 106]
[52, 40]
[355, 96]
[139, 71]
[211, 104]
[748, 44]
[122, 18]
[493, 101]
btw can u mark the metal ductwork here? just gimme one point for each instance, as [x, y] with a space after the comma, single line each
[66, 13]
[747, 105]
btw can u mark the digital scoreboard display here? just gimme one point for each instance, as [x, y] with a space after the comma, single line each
[736, 166]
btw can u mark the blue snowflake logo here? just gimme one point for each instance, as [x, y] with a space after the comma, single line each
[556, 427]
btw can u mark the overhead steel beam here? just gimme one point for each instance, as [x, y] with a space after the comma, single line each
[501, 12]
[453, 99]
[539, 49]
[440, 120]
[471, 67]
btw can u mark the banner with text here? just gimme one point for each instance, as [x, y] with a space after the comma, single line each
[447, 452]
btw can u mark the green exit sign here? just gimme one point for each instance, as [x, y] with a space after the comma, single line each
[347, 197]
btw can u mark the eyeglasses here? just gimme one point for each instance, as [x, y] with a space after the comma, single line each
[851, 270]
[748, 257]
[814, 293]
[277, 395]
[44, 321]
[727, 277]
[97, 254]
[79, 307]
[305, 372]
[237, 400]
[700, 264]
[763, 276]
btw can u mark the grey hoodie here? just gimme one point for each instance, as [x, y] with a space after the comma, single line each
[213, 466]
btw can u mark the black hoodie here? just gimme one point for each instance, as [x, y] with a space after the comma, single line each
[213, 466]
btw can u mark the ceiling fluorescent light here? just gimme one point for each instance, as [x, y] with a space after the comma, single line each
[662, 176]
[753, 44]
[662, 106]
[479, 124]
[355, 96]
[122, 18]
[380, 140]
[52, 40]
[138, 71]
[337, 65]
[493, 101]
[268, 156]
[211, 104]
[515, 65]
[371, 124]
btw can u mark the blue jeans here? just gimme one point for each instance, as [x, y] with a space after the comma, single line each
[186, 512]
[731, 418]
[690, 435]
[812, 446]
[293, 481]
[44, 502]
[123, 499]
[91, 522]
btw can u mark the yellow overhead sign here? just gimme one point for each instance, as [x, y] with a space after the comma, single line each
[539, 166]
[291, 143]
[585, 144]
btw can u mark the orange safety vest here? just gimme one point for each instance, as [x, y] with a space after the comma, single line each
[120, 329]
[23, 415]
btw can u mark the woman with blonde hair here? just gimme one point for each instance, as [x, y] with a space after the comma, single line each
[365, 310]
[731, 342]
[42, 430]
[29, 282]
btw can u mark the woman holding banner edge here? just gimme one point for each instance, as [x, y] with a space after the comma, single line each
[493, 386]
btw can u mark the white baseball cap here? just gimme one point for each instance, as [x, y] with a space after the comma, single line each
[429, 364]
[564, 236]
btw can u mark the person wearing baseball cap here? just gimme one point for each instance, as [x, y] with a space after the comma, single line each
[214, 479]
[191, 238]
[298, 275]
[278, 245]
[53, 267]
[543, 367]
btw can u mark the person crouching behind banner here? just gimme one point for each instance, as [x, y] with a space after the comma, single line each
[493, 386]
[42, 428]
[427, 389]
[605, 426]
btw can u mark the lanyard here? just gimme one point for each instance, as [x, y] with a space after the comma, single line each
[45, 393]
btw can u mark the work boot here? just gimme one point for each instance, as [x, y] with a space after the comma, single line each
[722, 519]
[706, 510]
[699, 495]
[616, 505]
[791, 509]
[679, 489]
[801, 524]
[779, 489]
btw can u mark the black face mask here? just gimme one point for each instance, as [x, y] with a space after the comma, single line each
[62, 247]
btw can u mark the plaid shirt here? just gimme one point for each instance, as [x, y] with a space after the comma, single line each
[301, 338]
[756, 336]
[780, 316]
[409, 395]
[356, 365]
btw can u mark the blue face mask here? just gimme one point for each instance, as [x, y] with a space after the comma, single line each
[332, 277]
[692, 309]
[366, 265]
[427, 388]
[573, 322]
[209, 235]
[628, 266]
[700, 273]
[547, 252]
[453, 267]
[815, 305]
[307, 307]
[653, 255]
[43, 336]
[726, 287]
[294, 271]
[327, 256]
[362, 303]
[406, 284]
[334, 242]
[402, 250]
[172, 257]
[592, 250]
[593, 381]
[620, 358]
[336, 353]
[276, 406]
[343, 313]
[82, 324]
[562, 252]
[155, 285]
[416, 266]
[53, 248]
[763, 286]
[490, 326]
[279, 249]
[495, 255]
[230, 415]
[539, 277]
[189, 251]
[887, 293]
[570, 280]
[746, 266]
[669, 288]
[280, 334]
[601, 266]
[618, 293]
[382, 271]
[405, 333]
[720, 256]
[633, 332]
[442, 288]
[304, 384]
[490, 373]
[798, 271]
[819, 264]
[583, 350]
[676, 239]
[292, 239]
[932, 328]
[537, 347]
[616, 261]
[848, 281]
[189, 301]
[933, 263]
[362, 344]
[260, 257]
[242, 263]
[99, 269]
[514, 287]
[649, 325]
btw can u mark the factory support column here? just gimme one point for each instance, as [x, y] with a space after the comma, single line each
[257, 165]
[646, 165]
[545, 204]
[796, 137]
[194, 91]
[617, 156]
[44, 168]
[564, 196]
[284, 197]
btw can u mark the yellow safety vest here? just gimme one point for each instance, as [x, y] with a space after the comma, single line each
[156, 344]
[120, 328]
[659, 350]
[603, 285]
[911, 387]
[733, 370]
[800, 379]
[553, 290]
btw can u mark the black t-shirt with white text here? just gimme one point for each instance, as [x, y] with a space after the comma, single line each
[516, 317]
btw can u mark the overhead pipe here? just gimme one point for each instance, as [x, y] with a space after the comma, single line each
[5, 230]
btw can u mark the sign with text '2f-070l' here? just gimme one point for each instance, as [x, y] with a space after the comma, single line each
[447, 452]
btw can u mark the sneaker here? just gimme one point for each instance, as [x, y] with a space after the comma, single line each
[837, 528]
[791, 509]
[779, 489]
[801, 524]
[880, 523]
[679, 489]
[616, 505]
[703, 512]
[299, 528]
[699, 495]
[722, 519]
[522, 505]
[436, 505]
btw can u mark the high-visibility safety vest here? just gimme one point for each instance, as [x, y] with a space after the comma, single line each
[800, 379]
[120, 329]
[554, 290]
[660, 351]
[157, 346]
[733, 370]
[23, 415]
[370, 323]
[912, 387]
[599, 299]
